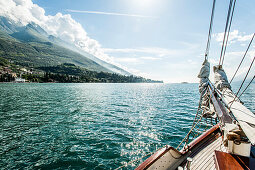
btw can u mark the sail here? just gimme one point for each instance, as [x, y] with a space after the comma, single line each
[204, 75]
[220, 78]
[244, 116]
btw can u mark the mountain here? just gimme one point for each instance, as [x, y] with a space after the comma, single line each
[30, 45]
[31, 33]
[72, 47]
[9, 26]
[111, 67]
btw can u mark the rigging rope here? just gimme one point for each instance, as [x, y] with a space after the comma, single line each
[210, 31]
[225, 47]
[189, 132]
[243, 81]
[242, 58]
[247, 86]
[226, 28]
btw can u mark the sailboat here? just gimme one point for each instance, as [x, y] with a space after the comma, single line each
[223, 132]
[228, 144]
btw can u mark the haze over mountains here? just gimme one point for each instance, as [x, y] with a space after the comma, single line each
[32, 46]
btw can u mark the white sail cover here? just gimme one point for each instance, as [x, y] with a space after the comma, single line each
[204, 75]
[243, 115]
[220, 78]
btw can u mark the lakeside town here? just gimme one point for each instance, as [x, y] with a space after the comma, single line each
[63, 73]
[15, 73]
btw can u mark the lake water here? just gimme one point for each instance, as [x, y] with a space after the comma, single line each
[93, 126]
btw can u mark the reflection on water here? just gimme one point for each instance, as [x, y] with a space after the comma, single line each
[92, 126]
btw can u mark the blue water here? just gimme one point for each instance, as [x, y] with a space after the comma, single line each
[93, 126]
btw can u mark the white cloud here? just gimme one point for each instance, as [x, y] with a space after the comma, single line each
[161, 52]
[136, 60]
[192, 62]
[59, 25]
[173, 63]
[128, 60]
[150, 58]
[234, 36]
[233, 59]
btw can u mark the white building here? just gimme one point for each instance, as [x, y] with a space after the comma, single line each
[19, 80]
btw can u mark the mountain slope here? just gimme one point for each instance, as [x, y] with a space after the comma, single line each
[109, 66]
[72, 47]
[8, 26]
[31, 33]
[30, 45]
[36, 54]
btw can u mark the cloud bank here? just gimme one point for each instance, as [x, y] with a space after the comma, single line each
[152, 50]
[233, 58]
[234, 36]
[59, 25]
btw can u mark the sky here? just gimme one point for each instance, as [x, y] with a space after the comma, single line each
[157, 39]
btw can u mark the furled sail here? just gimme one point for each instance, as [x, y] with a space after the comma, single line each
[220, 78]
[244, 116]
[204, 75]
[205, 104]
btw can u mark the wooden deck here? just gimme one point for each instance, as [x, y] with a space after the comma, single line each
[204, 158]
[207, 153]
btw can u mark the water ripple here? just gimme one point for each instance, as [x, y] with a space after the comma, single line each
[92, 126]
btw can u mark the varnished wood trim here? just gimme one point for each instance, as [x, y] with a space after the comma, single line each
[203, 136]
[153, 158]
[228, 161]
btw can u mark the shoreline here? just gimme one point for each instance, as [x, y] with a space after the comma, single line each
[84, 83]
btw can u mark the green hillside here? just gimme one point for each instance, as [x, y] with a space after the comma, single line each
[39, 53]
[29, 51]
[67, 72]
[32, 46]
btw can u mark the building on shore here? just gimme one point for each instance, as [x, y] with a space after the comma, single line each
[19, 80]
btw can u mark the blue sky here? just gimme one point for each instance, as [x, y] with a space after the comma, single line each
[159, 39]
